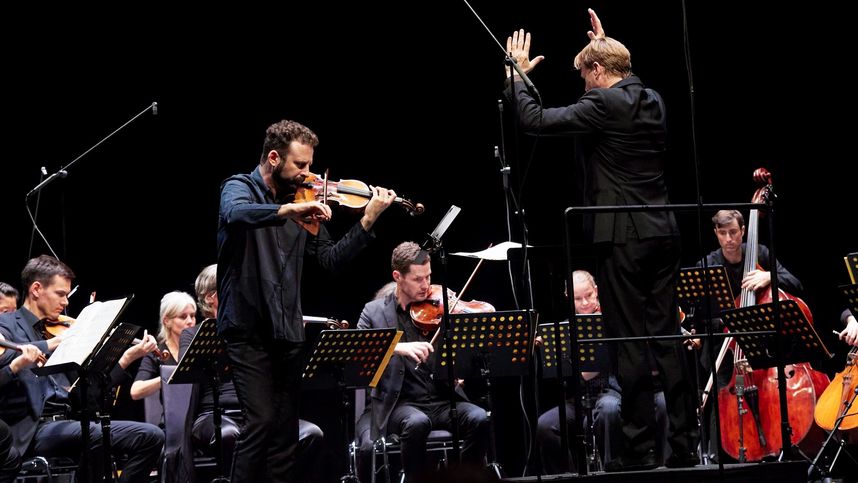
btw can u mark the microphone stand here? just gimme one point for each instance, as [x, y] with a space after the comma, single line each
[63, 172]
[505, 172]
[42, 173]
[433, 245]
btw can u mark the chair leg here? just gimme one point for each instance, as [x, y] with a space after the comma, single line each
[386, 460]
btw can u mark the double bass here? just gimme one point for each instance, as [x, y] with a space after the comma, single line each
[755, 432]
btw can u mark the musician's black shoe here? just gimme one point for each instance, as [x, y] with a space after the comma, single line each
[682, 460]
[643, 462]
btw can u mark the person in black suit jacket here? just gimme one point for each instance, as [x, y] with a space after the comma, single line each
[10, 458]
[36, 407]
[408, 401]
[623, 141]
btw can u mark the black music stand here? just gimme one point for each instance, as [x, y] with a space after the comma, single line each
[592, 357]
[697, 284]
[486, 345]
[96, 364]
[349, 359]
[101, 365]
[800, 340]
[204, 360]
[850, 293]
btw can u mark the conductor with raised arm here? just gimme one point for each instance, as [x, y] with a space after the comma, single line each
[623, 141]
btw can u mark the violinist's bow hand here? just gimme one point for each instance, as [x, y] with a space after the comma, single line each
[30, 356]
[308, 212]
[417, 351]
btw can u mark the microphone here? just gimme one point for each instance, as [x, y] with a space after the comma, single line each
[61, 174]
[154, 108]
[524, 78]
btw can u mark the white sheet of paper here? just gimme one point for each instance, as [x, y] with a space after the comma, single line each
[80, 339]
[496, 252]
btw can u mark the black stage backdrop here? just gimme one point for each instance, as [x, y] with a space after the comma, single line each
[403, 95]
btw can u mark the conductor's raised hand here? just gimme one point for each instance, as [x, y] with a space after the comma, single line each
[418, 351]
[598, 32]
[518, 47]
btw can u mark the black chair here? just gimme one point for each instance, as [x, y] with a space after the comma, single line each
[438, 441]
[51, 470]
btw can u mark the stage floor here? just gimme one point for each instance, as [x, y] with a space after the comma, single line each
[780, 472]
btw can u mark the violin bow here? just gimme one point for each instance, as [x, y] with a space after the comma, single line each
[325, 188]
[461, 293]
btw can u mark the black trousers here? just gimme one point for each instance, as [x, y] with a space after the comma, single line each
[637, 282]
[142, 443]
[413, 424]
[310, 439]
[267, 379]
[10, 460]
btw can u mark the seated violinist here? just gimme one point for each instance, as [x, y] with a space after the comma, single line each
[36, 408]
[408, 401]
[602, 391]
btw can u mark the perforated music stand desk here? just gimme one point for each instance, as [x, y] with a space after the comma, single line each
[498, 341]
[851, 294]
[205, 353]
[801, 342]
[352, 358]
[592, 357]
[691, 289]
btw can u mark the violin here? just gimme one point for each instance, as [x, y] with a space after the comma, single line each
[427, 314]
[53, 328]
[347, 192]
[329, 322]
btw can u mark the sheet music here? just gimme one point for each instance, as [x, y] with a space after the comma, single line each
[497, 252]
[80, 340]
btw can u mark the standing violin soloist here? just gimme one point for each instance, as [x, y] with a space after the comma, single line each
[623, 149]
[261, 250]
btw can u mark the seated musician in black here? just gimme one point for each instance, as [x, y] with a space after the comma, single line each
[36, 408]
[408, 401]
[201, 407]
[729, 228]
[10, 459]
[603, 392]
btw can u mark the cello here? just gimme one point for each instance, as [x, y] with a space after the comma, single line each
[752, 431]
[834, 402]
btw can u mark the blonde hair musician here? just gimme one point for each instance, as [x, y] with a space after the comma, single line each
[178, 312]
